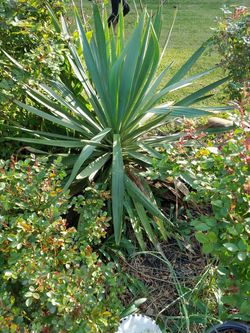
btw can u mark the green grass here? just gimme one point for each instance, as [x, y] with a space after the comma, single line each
[192, 27]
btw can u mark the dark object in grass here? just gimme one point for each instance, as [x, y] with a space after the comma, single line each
[113, 18]
[230, 327]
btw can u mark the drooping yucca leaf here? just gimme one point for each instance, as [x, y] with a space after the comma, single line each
[138, 195]
[58, 110]
[39, 134]
[195, 97]
[151, 151]
[134, 220]
[180, 111]
[85, 154]
[140, 157]
[94, 166]
[14, 61]
[173, 87]
[117, 187]
[57, 143]
[62, 121]
[54, 19]
[187, 66]
[77, 106]
[158, 223]
[145, 222]
[155, 83]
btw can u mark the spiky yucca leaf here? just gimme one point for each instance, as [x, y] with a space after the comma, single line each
[106, 124]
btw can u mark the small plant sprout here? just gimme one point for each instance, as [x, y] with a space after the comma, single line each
[138, 324]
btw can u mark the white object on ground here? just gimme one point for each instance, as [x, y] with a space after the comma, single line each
[138, 324]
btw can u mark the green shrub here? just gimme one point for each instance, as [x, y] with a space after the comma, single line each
[232, 40]
[220, 180]
[51, 278]
[26, 32]
[110, 121]
[26, 35]
[223, 182]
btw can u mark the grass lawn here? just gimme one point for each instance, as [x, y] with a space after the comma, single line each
[192, 27]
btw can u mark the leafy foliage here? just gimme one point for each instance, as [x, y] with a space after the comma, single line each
[220, 181]
[225, 185]
[52, 279]
[109, 119]
[26, 27]
[232, 40]
[26, 35]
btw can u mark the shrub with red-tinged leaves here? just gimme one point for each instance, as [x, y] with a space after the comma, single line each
[51, 278]
[218, 171]
[232, 40]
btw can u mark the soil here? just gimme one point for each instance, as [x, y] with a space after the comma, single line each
[161, 292]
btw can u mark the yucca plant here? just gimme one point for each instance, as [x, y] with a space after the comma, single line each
[110, 120]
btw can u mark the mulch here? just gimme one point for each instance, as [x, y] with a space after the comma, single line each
[160, 286]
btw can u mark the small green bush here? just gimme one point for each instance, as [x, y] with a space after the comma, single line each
[232, 40]
[51, 278]
[28, 36]
[223, 182]
[220, 180]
